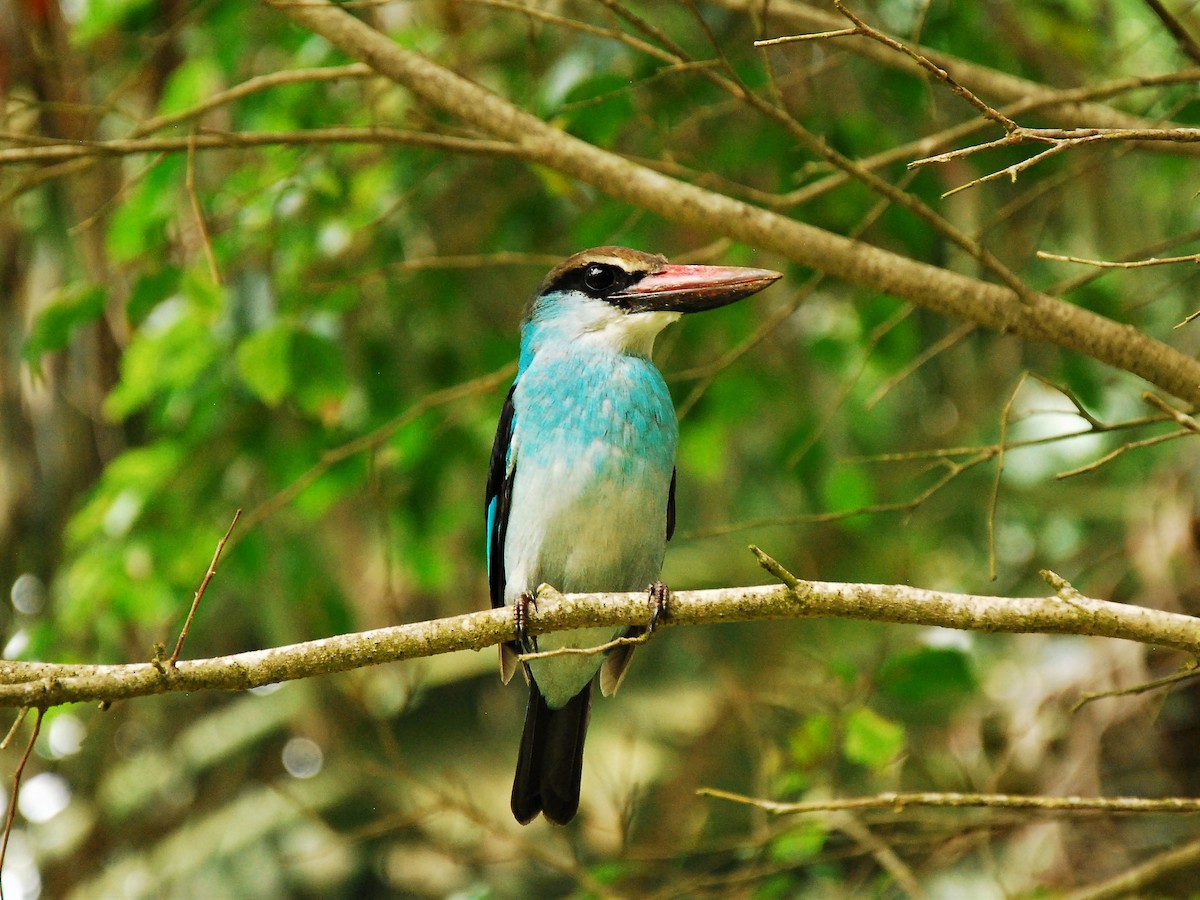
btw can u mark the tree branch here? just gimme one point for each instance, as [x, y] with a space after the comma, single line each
[60, 151]
[1001, 86]
[1036, 316]
[1066, 612]
[897, 801]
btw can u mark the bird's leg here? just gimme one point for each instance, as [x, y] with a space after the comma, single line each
[660, 599]
[521, 604]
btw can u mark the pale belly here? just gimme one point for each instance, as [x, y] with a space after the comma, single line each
[590, 527]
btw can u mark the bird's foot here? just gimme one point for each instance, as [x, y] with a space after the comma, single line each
[660, 600]
[521, 604]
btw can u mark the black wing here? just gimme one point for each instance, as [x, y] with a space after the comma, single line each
[498, 500]
[671, 508]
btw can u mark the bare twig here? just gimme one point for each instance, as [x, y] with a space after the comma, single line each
[198, 212]
[1073, 107]
[1187, 43]
[1188, 673]
[1181, 418]
[208, 576]
[1121, 451]
[929, 66]
[59, 152]
[1131, 264]
[776, 568]
[897, 801]
[812, 36]
[16, 726]
[16, 792]
[1131, 882]
[480, 385]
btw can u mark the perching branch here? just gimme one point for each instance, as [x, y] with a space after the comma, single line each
[1065, 612]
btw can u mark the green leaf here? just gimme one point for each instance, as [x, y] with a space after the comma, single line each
[846, 488]
[317, 374]
[799, 844]
[189, 84]
[870, 739]
[926, 684]
[75, 306]
[139, 225]
[151, 289]
[812, 740]
[169, 356]
[264, 363]
[103, 16]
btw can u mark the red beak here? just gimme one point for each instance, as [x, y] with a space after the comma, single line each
[688, 289]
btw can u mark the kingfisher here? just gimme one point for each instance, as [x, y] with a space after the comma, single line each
[581, 485]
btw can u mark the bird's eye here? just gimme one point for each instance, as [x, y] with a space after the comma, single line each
[598, 279]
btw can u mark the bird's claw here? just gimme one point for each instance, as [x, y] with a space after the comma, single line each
[660, 600]
[521, 605]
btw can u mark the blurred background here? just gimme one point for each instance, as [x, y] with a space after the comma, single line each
[185, 331]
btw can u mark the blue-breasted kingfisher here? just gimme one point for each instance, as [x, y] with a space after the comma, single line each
[581, 487]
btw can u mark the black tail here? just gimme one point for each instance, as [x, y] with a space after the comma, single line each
[550, 761]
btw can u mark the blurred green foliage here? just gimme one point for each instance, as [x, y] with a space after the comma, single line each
[198, 332]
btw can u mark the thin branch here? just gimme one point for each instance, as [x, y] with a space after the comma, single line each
[812, 36]
[1121, 451]
[46, 684]
[821, 148]
[953, 469]
[380, 435]
[208, 576]
[1131, 264]
[898, 801]
[929, 66]
[1059, 140]
[198, 212]
[16, 726]
[994, 497]
[1131, 882]
[1189, 673]
[927, 353]
[1187, 43]
[1073, 107]
[1182, 419]
[59, 152]
[16, 791]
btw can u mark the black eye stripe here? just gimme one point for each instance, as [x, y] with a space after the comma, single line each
[596, 279]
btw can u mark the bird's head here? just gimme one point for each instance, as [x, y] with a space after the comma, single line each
[619, 299]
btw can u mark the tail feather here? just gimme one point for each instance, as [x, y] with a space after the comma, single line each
[550, 761]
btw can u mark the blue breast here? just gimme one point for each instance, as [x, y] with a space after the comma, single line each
[595, 448]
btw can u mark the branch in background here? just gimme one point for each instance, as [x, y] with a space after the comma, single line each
[955, 800]
[1132, 881]
[1000, 86]
[58, 152]
[208, 576]
[1187, 43]
[1115, 264]
[1066, 612]
[1036, 316]
[16, 785]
